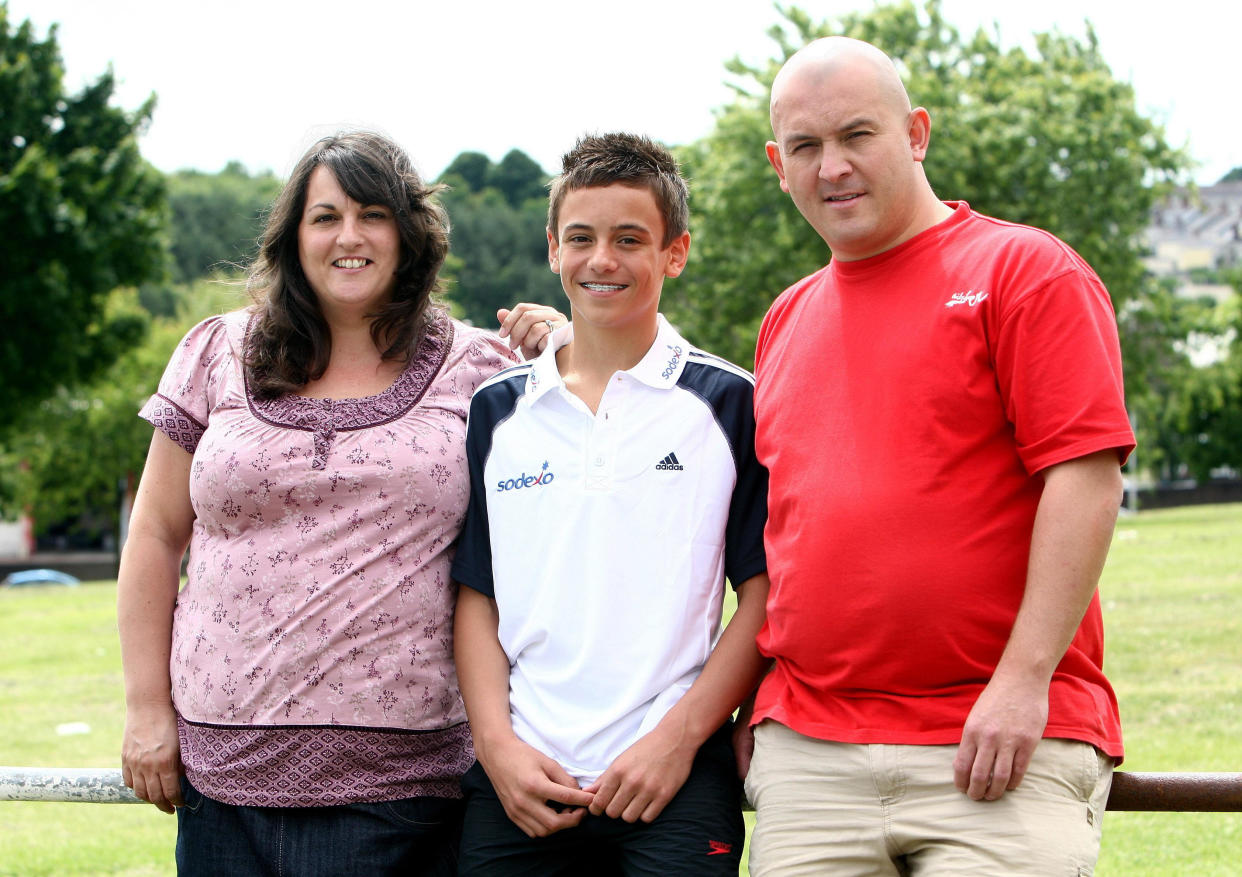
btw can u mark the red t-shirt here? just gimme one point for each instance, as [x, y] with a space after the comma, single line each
[905, 404]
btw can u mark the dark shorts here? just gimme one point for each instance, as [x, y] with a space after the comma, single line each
[700, 832]
[413, 836]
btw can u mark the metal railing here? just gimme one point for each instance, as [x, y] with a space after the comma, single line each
[1171, 792]
[1176, 792]
[93, 785]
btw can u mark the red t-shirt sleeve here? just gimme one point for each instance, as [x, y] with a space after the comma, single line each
[1058, 368]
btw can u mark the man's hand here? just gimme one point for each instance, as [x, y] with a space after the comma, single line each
[1069, 541]
[643, 778]
[151, 755]
[999, 738]
[526, 781]
[526, 326]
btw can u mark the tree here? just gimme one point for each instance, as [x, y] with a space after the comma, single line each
[70, 451]
[217, 218]
[1154, 329]
[500, 255]
[499, 249]
[68, 455]
[1206, 415]
[1234, 176]
[470, 170]
[82, 214]
[1051, 140]
[519, 178]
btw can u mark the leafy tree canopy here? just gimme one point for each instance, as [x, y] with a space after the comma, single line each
[499, 248]
[1203, 420]
[70, 453]
[1234, 176]
[82, 214]
[217, 218]
[469, 169]
[517, 177]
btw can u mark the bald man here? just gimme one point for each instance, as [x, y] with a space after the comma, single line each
[940, 409]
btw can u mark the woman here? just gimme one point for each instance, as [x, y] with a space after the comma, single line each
[297, 702]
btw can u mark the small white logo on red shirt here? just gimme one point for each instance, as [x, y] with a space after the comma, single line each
[970, 298]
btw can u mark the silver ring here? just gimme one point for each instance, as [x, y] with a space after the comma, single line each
[551, 326]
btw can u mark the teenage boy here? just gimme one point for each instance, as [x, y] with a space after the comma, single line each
[614, 486]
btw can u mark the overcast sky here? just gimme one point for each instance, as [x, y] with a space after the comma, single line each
[259, 81]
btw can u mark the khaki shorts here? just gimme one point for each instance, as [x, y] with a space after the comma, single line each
[880, 809]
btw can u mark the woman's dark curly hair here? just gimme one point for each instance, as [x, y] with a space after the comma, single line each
[289, 340]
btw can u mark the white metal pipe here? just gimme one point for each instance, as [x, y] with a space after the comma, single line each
[99, 785]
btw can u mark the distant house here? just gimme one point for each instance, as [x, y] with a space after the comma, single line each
[1199, 230]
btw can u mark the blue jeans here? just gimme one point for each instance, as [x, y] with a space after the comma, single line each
[414, 836]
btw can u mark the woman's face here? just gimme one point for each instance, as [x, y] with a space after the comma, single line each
[349, 251]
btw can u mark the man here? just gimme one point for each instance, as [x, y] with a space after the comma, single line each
[940, 410]
[614, 486]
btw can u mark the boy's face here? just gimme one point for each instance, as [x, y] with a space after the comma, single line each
[609, 254]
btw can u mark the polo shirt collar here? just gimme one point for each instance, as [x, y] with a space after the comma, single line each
[544, 375]
[665, 360]
[660, 367]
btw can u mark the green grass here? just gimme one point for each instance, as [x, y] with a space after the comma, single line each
[1172, 594]
[60, 663]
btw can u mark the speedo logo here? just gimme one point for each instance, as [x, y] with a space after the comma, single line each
[969, 298]
[670, 462]
[524, 480]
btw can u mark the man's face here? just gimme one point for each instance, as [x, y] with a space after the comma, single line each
[846, 152]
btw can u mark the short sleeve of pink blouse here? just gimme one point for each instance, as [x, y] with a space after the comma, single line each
[182, 405]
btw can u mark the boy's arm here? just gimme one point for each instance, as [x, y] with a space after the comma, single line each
[524, 778]
[646, 776]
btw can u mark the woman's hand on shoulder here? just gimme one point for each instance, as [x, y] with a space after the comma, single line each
[529, 326]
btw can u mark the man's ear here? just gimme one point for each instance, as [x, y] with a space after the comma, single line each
[919, 129]
[774, 159]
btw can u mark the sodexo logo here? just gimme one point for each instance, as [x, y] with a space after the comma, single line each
[673, 359]
[524, 480]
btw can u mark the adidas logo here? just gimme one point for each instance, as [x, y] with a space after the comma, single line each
[670, 462]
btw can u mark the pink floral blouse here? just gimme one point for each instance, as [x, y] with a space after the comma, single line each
[312, 642]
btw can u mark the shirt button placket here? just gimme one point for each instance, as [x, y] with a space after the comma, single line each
[600, 452]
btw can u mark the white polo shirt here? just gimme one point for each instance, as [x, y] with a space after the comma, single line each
[605, 538]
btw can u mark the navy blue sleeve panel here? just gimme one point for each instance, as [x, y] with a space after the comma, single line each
[730, 392]
[491, 405]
